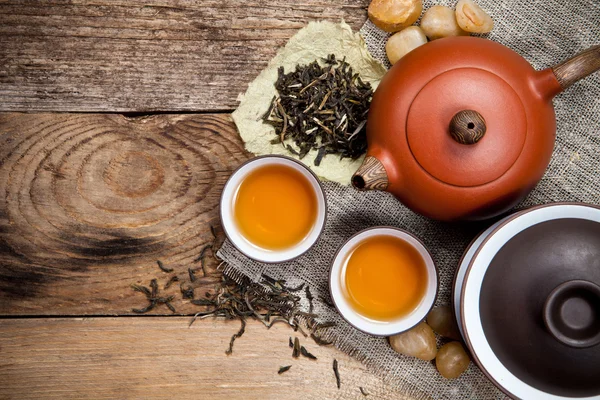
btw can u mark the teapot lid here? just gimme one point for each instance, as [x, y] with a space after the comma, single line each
[466, 127]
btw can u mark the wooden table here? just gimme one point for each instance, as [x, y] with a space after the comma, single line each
[115, 143]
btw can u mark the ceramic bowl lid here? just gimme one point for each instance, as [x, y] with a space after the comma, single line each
[507, 291]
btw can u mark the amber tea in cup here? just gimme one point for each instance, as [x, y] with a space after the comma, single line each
[385, 278]
[383, 281]
[273, 208]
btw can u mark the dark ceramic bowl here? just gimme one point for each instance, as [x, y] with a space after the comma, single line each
[530, 303]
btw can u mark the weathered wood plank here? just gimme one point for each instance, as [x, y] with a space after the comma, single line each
[150, 358]
[90, 202]
[120, 56]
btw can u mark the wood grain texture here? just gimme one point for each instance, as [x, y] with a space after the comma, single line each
[371, 175]
[467, 127]
[145, 56]
[154, 358]
[89, 202]
[578, 67]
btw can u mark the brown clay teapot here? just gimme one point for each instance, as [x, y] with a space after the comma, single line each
[464, 128]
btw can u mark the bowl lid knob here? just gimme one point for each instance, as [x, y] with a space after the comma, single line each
[572, 313]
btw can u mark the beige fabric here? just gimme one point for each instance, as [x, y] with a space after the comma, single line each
[543, 31]
[315, 41]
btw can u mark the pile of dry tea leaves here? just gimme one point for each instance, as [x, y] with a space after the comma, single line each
[323, 108]
[269, 301]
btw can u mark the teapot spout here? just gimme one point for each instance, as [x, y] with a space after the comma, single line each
[371, 175]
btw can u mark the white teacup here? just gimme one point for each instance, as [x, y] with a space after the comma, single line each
[368, 325]
[229, 222]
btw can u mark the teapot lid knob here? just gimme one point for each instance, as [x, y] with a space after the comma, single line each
[467, 127]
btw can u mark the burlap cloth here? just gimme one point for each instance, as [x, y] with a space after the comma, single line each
[545, 32]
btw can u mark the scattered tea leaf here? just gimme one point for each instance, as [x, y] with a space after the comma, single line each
[142, 289]
[296, 348]
[154, 287]
[327, 301]
[291, 343]
[162, 267]
[310, 299]
[326, 324]
[202, 253]
[170, 306]
[152, 297]
[364, 393]
[284, 369]
[192, 275]
[143, 310]
[236, 335]
[336, 372]
[306, 354]
[188, 293]
[203, 302]
[320, 341]
[174, 278]
[202, 259]
[299, 329]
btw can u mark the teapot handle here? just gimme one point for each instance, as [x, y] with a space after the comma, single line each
[578, 67]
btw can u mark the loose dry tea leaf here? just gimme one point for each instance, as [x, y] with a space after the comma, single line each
[325, 325]
[306, 354]
[236, 335]
[201, 258]
[327, 301]
[174, 278]
[143, 310]
[154, 287]
[192, 275]
[203, 302]
[310, 299]
[152, 297]
[162, 267]
[188, 293]
[202, 253]
[168, 304]
[322, 108]
[291, 343]
[142, 289]
[296, 351]
[319, 341]
[283, 369]
[336, 372]
[364, 393]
